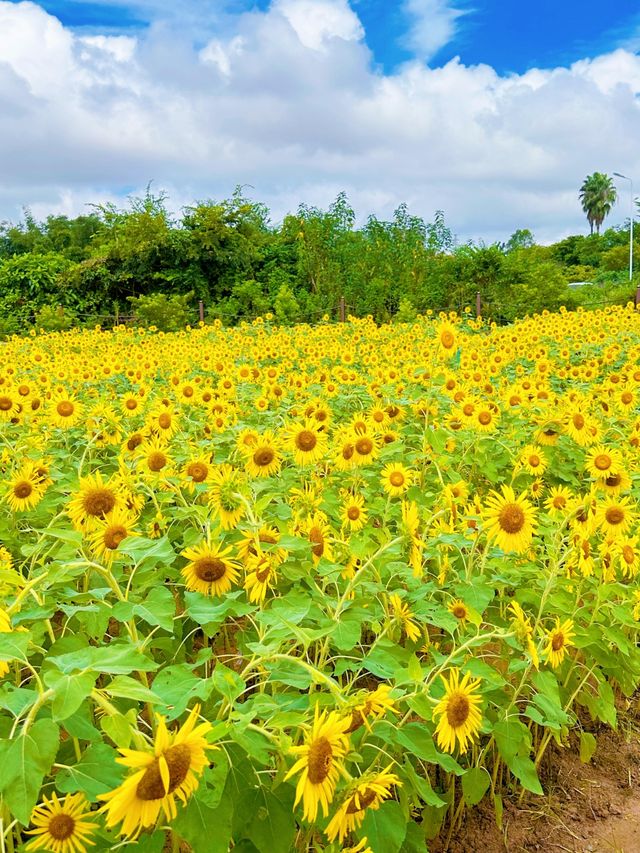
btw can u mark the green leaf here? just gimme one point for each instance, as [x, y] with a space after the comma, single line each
[422, 784]
[26, 761]
[588, 745]
[513, 739]
[273, 826]
[128, 688]
[227, 682]
[346, 634]
[95, 773]
[70, 691]
[158, 608]
[205, 829]
[385, 828]
[115, 658]
[14, 644]
[475, 784]
[176, 687]
[416, 737]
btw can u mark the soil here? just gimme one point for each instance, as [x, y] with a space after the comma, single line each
[588, 808]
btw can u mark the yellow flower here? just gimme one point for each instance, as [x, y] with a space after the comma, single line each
[264, 458]
[521, 624]
[62, 826]
[396, 479]
[459, 717]
[25, 489]
[615, 517]
[458, 609]
[261, 575]
[94, 500]
[320, 762]
[306, 443]
[533, 460]
[510, 520]
[210, 569]
[171, 770]
[558, 639]
[354, 512]
[602, 462]
[109, 532]
[65, 411]
[403, 614]
[367, 793]
[374, 705]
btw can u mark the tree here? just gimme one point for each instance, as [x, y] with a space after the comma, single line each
[597, 195]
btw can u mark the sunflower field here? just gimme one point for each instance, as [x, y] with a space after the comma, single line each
[310, 588]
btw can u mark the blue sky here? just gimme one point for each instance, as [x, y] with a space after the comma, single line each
[509, 35]
[302, 99]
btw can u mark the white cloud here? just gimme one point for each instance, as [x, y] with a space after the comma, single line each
[433, 25]
[289, 101]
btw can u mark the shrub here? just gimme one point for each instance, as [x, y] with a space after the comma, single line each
[166, 313]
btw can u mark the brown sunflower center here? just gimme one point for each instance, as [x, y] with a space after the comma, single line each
[151, 786]
[628, 555]
[98, 502]
[626, 397]
[347, 451]
[578, 421]
[263, 457]
[364, 446]
[614, 515]
[559, 502]
[458, 709]
[134, 441]
[602, 461]
[263, 570]
[360, 801]
[447, 339]
[484, 418]
[397, 479]
[316, 537]
[198, 471]
[534, 460]
[210, 569]
[131, 404]
[156, 460]
[319, 761]
[557, 641]
[459, 611]
[353, 513]
[306, 440]
[6, 404]
[113, 536]
[22, 489]
[61, 827]
[65, 408]
[613, 480]
[511, 518]
[164, 421]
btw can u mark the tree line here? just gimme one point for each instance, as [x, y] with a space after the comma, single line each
[141, 261]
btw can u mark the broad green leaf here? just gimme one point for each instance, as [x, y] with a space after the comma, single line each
[385, 828]
[115, 658]
[227, 682]
[416, 737]
[95, 773]
[25, 763]
[70, 691]
[273, 826]
[588, 745]
[14, 644]
[158, 608]
[177, 688]
[129, 688]
[205, 829]
[475, 784]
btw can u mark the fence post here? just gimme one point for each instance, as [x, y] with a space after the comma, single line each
[342, 310]
[201, 310]
[478, 304]
[637, 296]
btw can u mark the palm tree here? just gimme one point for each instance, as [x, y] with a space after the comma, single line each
[598, 195]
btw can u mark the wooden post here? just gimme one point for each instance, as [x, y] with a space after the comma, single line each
[478, 304]
[201, 310]
[342, 310]
[638, 295]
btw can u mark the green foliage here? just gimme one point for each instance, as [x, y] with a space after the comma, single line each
[166, 313]
[286, 307]
[54, 318]
[597, 196]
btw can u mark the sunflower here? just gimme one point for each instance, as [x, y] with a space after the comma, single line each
[370, 707]
[521, 624]
[602, 462]
[171, 770]
[261, 575]
[628, 556]
[108, 532]
[485, 419]
[533, 460]
[9, 406]
[580, 427]
[62, 826]
[460, 718]
[154, 458]
[196, 471]
[510, 520]
[25, 490]
[163, 422]
[446, 340]
[615, 516]
[459, 609]
[402, 614]
[396, 479]
[210, 569]
[367, 793]
[92, 502]
[320, 762]
[613, 484]
[353, 512]
[226, 495]
[306, 443]
[5, 628]
[264, 458]
[319, 535]
[365, 448]
[559, 501]
[558, 639]
[65, 411]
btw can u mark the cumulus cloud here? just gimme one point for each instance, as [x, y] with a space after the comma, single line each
[289, 101]
[433, 25]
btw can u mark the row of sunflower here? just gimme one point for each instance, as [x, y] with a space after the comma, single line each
[285, 589]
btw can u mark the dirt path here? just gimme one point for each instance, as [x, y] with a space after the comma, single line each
[589, 808]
